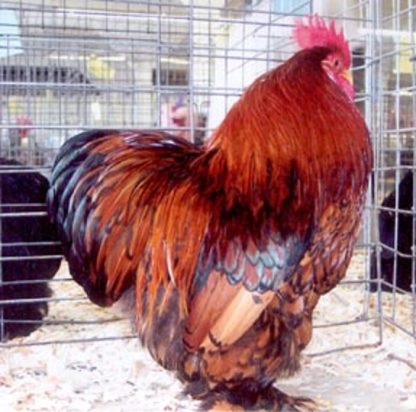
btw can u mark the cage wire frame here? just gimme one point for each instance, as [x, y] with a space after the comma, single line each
[392, 124]
[99, 64]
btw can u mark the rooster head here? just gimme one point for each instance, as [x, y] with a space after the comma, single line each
[316, 33]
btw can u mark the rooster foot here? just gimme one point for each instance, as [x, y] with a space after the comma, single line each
[287, 403]
[266, 399]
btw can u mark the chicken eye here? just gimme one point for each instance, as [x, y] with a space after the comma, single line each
[336, 63]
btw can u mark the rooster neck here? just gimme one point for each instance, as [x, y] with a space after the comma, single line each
[292, 139]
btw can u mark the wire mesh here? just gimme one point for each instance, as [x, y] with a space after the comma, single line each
[66, 67]
[393, 261]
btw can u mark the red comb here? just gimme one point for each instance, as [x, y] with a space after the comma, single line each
[316, 33]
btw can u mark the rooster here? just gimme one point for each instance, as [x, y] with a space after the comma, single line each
[229, 246]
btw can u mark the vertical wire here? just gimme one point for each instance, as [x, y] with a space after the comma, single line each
[129, 54]
[380, 131]
[2, 334]
[83, 115]
[269, 37]
[158, 67]
[397, 151]
[108, 93]
[364, 12]
[58, 91]
[191, 71]
[375, 83]
[2, 317]
[226, 70]
[244, 61]
[411, 19]
[2, 331]
[211, 68]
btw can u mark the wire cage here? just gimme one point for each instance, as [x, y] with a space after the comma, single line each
[179, 65]
[394, 131]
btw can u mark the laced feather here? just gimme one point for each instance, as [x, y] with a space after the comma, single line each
[316, 33]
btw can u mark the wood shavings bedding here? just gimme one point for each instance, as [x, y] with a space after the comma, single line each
[118, 375]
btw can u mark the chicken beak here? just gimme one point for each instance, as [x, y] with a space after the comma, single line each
[347, 75]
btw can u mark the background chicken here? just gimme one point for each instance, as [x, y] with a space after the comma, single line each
[387, 225]
[26, 241]
[228, 246]
[180, 116]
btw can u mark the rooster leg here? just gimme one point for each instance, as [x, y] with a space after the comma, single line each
[268, 399]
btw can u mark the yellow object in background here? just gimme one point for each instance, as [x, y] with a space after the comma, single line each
[14, 105]
[98, 68]
[405, 64]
